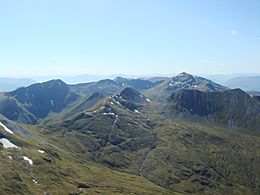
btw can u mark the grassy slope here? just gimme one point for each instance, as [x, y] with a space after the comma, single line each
[59, 171]
[204, 160]
[188, 158]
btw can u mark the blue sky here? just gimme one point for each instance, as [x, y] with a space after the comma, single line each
[45, 37]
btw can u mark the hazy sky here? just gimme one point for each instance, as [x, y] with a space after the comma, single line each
[40, 37]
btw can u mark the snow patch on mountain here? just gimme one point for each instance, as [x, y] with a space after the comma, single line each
[28, 160]
[42, 151]
[52, 103]
[6, 129]
[7, 144]
[110, 113]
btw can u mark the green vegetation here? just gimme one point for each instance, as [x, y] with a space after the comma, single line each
[87, 143]
[61, 171]
[179, 156]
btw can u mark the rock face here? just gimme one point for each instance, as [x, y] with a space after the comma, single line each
[234, 107]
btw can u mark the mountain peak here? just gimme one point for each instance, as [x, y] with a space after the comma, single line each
[181, 82]
[42, 98]
[183, 74]
[188, 81]
[132, 95]
[128, 91]
[55, 82]
[120, 79]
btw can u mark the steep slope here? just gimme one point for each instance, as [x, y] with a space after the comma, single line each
[87, 103]
[84, 103]
[133, 96]
[180, 82]
[14, 110]
[12, 127]
[234, 108]
[42, 98]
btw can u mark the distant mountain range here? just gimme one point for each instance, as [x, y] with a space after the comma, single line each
[10, 84]
[246, 83]
[181, 94]
[180, 135]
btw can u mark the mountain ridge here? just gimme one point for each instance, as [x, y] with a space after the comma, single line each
[183, 138]
[234, 107]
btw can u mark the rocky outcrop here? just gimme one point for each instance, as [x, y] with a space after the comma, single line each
[234, 108]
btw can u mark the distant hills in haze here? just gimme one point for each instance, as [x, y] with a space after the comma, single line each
[251, 83]
[247, 82]
[9, 84]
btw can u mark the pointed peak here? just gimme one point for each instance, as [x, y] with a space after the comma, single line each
[128, 90]
[54, 81]
[132, 95]
[184, 77]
